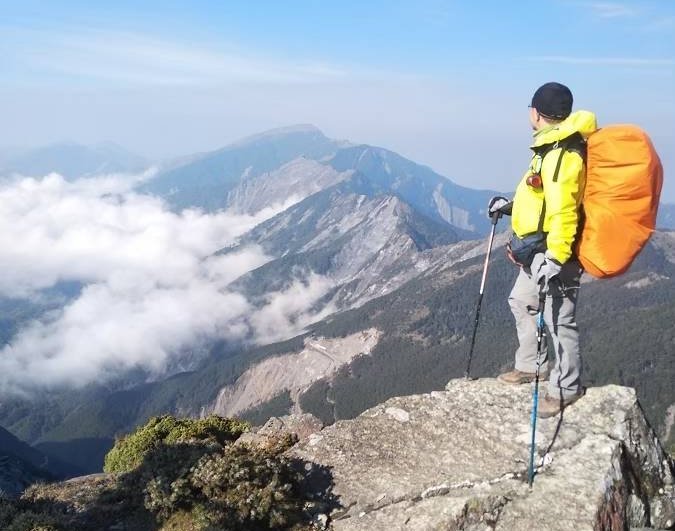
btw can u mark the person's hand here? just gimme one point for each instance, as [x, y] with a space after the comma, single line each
[499, 206]
[548, 272]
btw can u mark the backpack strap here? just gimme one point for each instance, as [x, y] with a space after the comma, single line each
[540, 225]
[574, 142]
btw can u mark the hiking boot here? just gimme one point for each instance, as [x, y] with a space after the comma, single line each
[516, 377]
[551, 406]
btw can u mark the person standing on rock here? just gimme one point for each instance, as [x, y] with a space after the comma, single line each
[545, 218]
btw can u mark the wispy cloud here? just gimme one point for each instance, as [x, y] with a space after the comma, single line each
[610, 9]
[153, 296]
[108, 56]
[603, 61]
[661, 24]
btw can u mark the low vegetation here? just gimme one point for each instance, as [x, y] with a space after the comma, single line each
[176, 474]
[130, 451]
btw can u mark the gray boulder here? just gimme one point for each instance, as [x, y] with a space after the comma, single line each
[300, 426]
[457, 459]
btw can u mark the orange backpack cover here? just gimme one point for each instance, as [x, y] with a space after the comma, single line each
[623, 185]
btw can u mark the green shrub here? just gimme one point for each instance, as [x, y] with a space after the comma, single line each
[162, 481]
[29, 521]
[129, 451]
[177, 475]
[240, 487]
[7, 512]
[19, 516]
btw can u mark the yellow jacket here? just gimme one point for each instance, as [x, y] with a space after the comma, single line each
[562, 196]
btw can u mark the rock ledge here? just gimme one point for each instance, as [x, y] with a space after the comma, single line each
[457, 459]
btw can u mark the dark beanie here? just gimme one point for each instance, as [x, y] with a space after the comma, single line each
[553, 100]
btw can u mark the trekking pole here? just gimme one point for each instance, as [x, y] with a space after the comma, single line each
[541, 343]
[494, 218]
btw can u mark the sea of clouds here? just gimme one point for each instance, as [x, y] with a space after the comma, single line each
[153, 291]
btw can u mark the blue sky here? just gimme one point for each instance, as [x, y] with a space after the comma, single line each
[445, 83]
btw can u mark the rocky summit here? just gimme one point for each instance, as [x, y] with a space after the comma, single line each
[457, 459]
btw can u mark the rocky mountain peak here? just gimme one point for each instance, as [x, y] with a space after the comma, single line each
[457, 459]
[279, 132]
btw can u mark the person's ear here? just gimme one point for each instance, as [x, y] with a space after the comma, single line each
[537, 115]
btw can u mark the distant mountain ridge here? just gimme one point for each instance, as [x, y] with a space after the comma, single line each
[73, 161]
[363, 217]
[22, 465]
[666, 216]
[367, 245]
[205, 180]
[298, 161]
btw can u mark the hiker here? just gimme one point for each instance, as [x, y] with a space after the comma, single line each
[545, 218]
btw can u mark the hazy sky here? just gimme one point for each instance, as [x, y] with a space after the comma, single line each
[445, 83]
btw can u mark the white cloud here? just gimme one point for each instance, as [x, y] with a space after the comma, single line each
[663, 23]
[94, 229]
[118, 325]
[109, 56]
[610, 9]
[155, 294]
[290, 309]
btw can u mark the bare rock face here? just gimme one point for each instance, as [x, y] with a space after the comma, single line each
[301, 426]
[294, 372]
[458, 459]
[295, 180]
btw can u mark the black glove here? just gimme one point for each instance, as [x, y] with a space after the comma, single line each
[548, 272]
[499, 206]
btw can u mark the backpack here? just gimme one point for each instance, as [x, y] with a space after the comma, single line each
[623, 184]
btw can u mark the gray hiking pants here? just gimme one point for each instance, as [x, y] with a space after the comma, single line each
[560, 318]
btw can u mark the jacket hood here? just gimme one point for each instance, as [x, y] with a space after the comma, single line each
[583, 122]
